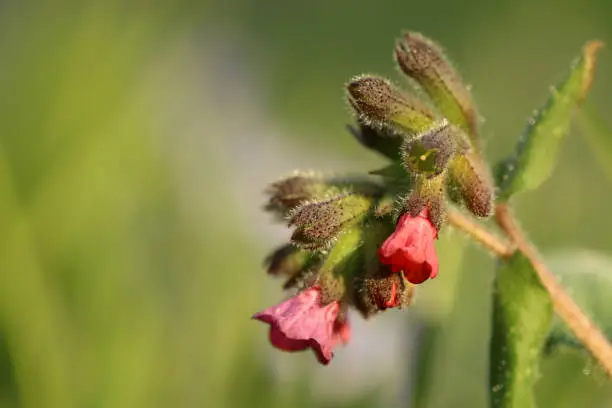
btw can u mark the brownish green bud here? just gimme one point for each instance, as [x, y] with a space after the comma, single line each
[384, 206]
[428, 154]
[300, 187]
[286, 260]
[423, 60]
[470, 179]
[291, 191]
[295, 263]
[342, 262]
[427, 194]
[318, 222]
[381, 140]
[381, 105]
[381, 289]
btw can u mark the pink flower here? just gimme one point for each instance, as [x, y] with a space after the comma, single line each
[410, 249]
[302, 322]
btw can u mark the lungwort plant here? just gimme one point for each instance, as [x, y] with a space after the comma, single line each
[366, 242]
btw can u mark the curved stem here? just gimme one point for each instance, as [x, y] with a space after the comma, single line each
[479, 234]
[585, 330]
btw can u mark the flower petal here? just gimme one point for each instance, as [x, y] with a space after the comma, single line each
[301, 322]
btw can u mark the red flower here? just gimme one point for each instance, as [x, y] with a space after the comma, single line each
[410, 248]
[302, 322]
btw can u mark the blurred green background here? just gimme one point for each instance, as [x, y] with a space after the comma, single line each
[135, 140]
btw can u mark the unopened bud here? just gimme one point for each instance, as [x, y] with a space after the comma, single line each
[299, 188]
[290, 192]
[295, 263]
[381, 105]
[318, 222]
[472, 181]
[286, 260]
[381, 140]
[423, 60]
[341, 263]
[428, 154]
[428, 193]
[381, 290]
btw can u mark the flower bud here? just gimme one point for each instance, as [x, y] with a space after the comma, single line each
[428, 154]
[427, 194]
[286, 260]
[380, 290]
[318, 222]
[341, 264]
[381, 105]
[471, 180]
[422, 60]
[381, 140]
[297, 264]
[290, 192]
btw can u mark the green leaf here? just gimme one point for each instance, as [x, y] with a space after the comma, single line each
[522, 315]
[536, 153]
[587, 277]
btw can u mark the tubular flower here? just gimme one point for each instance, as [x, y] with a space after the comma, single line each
[303, 322]
[410, 249]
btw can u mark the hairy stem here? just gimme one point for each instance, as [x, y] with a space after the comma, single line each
[479, 234]
[585, 330]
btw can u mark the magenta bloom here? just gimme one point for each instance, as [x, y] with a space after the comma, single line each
[410, 249]
[302, 322]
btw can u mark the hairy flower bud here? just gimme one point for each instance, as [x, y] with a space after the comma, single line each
[381, 140]
[381, 105]
[428, 154]
[291, 191]
[427, 194]
[381, 289]
[423, 60]
[297, 264]
[471, 180]
[318, 222]
[301, 187]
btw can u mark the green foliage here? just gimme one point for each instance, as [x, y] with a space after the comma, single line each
[536, 153]
[586, 275]
[522, 315]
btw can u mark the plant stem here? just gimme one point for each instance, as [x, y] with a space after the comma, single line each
[480, 234]
[584, 329]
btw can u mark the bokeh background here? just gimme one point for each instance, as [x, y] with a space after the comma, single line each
[136, 138]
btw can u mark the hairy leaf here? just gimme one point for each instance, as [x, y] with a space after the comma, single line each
[536, 153]
[587, 277]
[522, 315]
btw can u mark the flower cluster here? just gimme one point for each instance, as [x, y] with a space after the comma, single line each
[365, 242]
